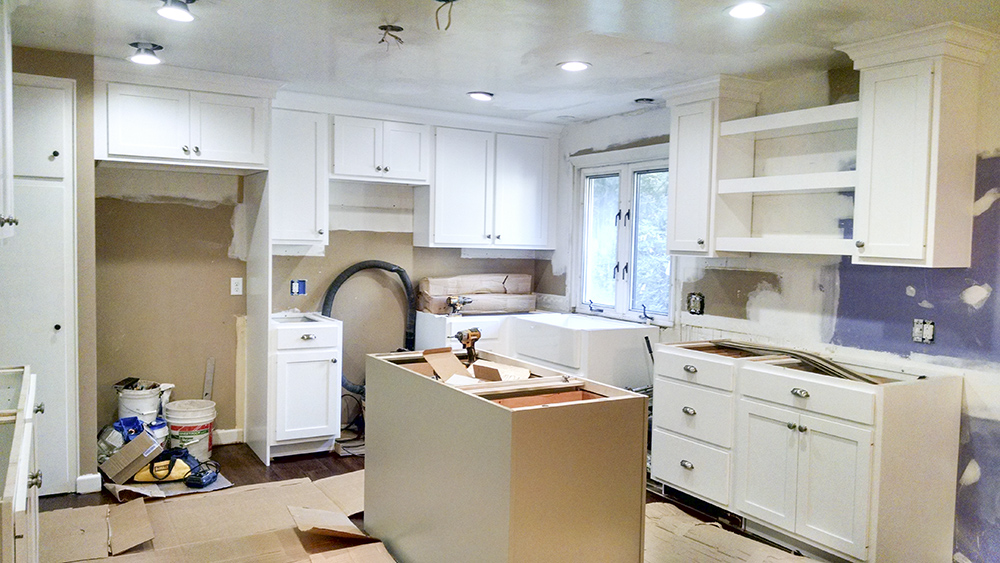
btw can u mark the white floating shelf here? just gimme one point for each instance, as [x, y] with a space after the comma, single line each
[791, 183]
[786, 244]
[799, 122]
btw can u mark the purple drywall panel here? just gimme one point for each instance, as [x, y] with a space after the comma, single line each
[876, 311]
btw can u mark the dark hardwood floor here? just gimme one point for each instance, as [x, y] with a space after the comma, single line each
[241, 466]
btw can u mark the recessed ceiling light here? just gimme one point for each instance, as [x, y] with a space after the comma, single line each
[645, 101]
[481, 96]
[176, 10]
[145, 53]
[574, 66]
[747, 10]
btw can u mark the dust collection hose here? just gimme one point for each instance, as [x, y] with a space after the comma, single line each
[411, 302]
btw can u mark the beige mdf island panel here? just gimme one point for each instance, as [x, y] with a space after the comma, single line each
[505, 471]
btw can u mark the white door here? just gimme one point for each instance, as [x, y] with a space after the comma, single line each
[298, 177]
[228, 128]
[834, 477]
[38, 295]
[308, 394]
[406, 151]
[357, 146]
[148, 121]
[40, 126]
[894, 135]
[691, 136]
[522, 191]
[463, 187]
[766, 463]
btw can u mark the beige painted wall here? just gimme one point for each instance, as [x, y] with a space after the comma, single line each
[371, 303]
[79, 68]
[163, 301]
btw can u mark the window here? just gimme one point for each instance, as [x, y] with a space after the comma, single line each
[625, 269]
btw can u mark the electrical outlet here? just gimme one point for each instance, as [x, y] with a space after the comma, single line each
[235, 286]
[298, 287]
[923, 331]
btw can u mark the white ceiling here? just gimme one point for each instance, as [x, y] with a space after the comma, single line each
[509, 47]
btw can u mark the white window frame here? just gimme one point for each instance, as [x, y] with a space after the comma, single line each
[626, 163]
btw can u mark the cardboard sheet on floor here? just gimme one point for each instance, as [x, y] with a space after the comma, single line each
[326, 523]
[133, 490]
[93, 532]
[369, 553]
[347, 490]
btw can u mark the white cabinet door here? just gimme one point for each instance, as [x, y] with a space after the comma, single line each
[521, 212]
[834, 473]
[766, 463]
[147, 121]
[691, 146]
[42, 125]
[228, 128]
[894, 136]
[463, 187]
[308, 394]
[298, 177]
[7, 216]
[357, 146]
[406, 151]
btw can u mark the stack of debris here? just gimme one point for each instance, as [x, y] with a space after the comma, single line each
[479, 293]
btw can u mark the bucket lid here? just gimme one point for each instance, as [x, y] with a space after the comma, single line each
[157, 424]
[188, 405]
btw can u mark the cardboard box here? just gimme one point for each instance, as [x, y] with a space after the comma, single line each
[93, 532]
[131, 458]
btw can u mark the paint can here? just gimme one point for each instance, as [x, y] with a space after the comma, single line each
[190, 422]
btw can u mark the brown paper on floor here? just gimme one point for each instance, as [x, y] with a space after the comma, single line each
[347, 491]
[369, 553]
[673, 536]
[76, 534]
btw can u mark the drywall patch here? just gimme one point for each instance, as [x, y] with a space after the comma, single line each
[975, 296]
[984, 203]
[977, 524]
[925, 304]
[911, 291]
[728, 292]
[163, 186]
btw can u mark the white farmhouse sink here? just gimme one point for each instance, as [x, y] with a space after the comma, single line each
[605, 350]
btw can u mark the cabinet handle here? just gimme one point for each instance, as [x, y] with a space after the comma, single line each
[186, 149]
[378, 168]
[689, 411]
[57, 327]
[386, 169]
[701, 242]
[308, 337]
[792, 426]
[690, 369]
[333, 360]
[859, 243]
[800, 393]
[687, 464]
[35, 480]
[197, 150]
[802, 428]
[321, 231]
[55, 154]
[39, 408]
[498, 237]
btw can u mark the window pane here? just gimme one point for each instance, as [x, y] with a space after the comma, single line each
[650, 258]
[602, 239]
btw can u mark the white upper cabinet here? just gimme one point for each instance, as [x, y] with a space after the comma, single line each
[692, 132]
[42, 125]
[521, 203]
[149, 122]
[463, 187]
[916, 145]
[298, 181]
[7, 218]
[386, 151]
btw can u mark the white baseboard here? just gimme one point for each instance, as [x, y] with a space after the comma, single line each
[89, 483]
[230, 436]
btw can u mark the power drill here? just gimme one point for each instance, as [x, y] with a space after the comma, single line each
[467, 338]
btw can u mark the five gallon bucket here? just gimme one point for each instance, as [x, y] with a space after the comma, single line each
[190, 423]
[144, 402]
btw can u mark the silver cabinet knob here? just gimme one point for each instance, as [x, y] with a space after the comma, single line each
[197, 150]
[321, 231]
[687, 464]
[701, 242]
[378, 168]
[489, 236]
[35, 480]
[39, 408]
[186, 149]
[498, 237]
[859, 243]
[333, 360]
[802, 428]
[802, 393]
[386, 169]
[792, 426]
[690, 369]
[689, 411]
[308, 337]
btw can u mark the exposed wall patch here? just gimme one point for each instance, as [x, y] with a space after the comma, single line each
[975, 296]
[727, 292]
[911, 291]
[983, 204]
[926, 304]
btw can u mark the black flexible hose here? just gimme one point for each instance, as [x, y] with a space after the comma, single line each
[411, 298]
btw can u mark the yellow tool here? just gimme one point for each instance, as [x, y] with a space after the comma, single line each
[456, 303]
[467, 338]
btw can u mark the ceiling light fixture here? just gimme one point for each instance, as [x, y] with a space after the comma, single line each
[574, 66]
[645, 101]
[145, 53]
[747, 10]
[481, 96]
[176, 10]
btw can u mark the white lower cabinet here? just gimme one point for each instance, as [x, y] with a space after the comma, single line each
[19, 476]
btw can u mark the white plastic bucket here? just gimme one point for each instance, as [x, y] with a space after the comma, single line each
[141, 403]
[191, 423]
[159, 431]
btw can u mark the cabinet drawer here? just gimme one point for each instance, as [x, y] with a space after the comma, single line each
[694, 467]
[694, 367]
[316, 336]
[784, 386]
[693, 411]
